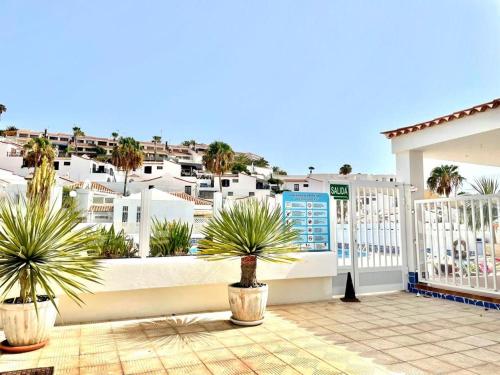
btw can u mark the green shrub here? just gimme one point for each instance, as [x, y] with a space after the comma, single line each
[170, 238]
[112, 244]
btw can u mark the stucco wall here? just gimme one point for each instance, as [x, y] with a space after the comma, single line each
[133, 288]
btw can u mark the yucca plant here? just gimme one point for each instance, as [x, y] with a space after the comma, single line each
[249, 230]
[112, 244]
[41, 250]
[170, 238]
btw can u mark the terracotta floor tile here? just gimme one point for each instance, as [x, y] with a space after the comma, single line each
[380, 344]
[460, 360]
[281, 370]
[431, 349]
[246, 351]
[142, 366]
[107, 358]
[180, 360]
[190, 370]
[262, 362]
[229, 367]
[405, 354]
[103, 369]
[404, 340]
[486, 369]
[216, 355]
[476, 341]
[435, 366]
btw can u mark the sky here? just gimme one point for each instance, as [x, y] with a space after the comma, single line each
[303, 83]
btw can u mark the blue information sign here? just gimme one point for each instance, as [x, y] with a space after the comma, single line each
[310, 214]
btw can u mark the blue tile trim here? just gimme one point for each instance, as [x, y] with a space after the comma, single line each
[413, 288]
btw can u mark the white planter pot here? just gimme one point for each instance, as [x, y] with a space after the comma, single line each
[21, 325]
[248, 305]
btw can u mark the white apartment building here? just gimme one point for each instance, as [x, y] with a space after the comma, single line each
[318, 182]
[238, 185]
[164, 206]
[166, 183]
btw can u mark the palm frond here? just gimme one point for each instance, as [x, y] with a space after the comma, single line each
[249, 228]
[41, 248]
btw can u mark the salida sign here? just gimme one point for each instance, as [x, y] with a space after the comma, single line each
[339, 191]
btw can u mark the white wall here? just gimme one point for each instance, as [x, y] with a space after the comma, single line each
[242, 188]
[11, 163]
[134, 288]
[313, 185]
[175, 209]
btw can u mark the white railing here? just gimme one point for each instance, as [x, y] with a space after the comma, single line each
[456, 241]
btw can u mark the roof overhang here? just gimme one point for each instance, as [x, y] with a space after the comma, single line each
[469, 139]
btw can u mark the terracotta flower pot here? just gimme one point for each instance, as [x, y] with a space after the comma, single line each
[248, 305]
[21, 325]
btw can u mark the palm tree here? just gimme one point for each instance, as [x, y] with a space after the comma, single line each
[345, 169]
[114, 135]
[277, 170]
[486, 186]
[37, 149]
[483, 186]
[77, 132]
[444, 179]
[219, 159]
[127, 155]
[190, 143]
[3, 109]
[261, 163]
[156, 140]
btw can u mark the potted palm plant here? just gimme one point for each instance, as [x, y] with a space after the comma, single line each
[249, 230]
[42, 253]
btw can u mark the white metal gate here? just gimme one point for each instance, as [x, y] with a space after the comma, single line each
[369, 234]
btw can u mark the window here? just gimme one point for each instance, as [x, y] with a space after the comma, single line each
[138, 215]
[67, 163]
[187, 189]
[230, 194]
[306, 185]
[56, 165]
[225, 183]
[108, 200]
[206, 194]
[235, 180]
[148, 169]
[98, 200]
[125, 214]
[159, 167]
[251, 194]
[295, 187]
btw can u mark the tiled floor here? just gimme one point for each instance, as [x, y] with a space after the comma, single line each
[393, 333]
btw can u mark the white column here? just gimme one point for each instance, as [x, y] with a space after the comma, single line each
[145, 224]
[217, 203]
[410, 171]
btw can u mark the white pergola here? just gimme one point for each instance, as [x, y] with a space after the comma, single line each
[471, 136]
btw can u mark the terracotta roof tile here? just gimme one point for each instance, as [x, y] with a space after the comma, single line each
[190, 198]
[443, 119]
[101, 208]
[94, 186]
